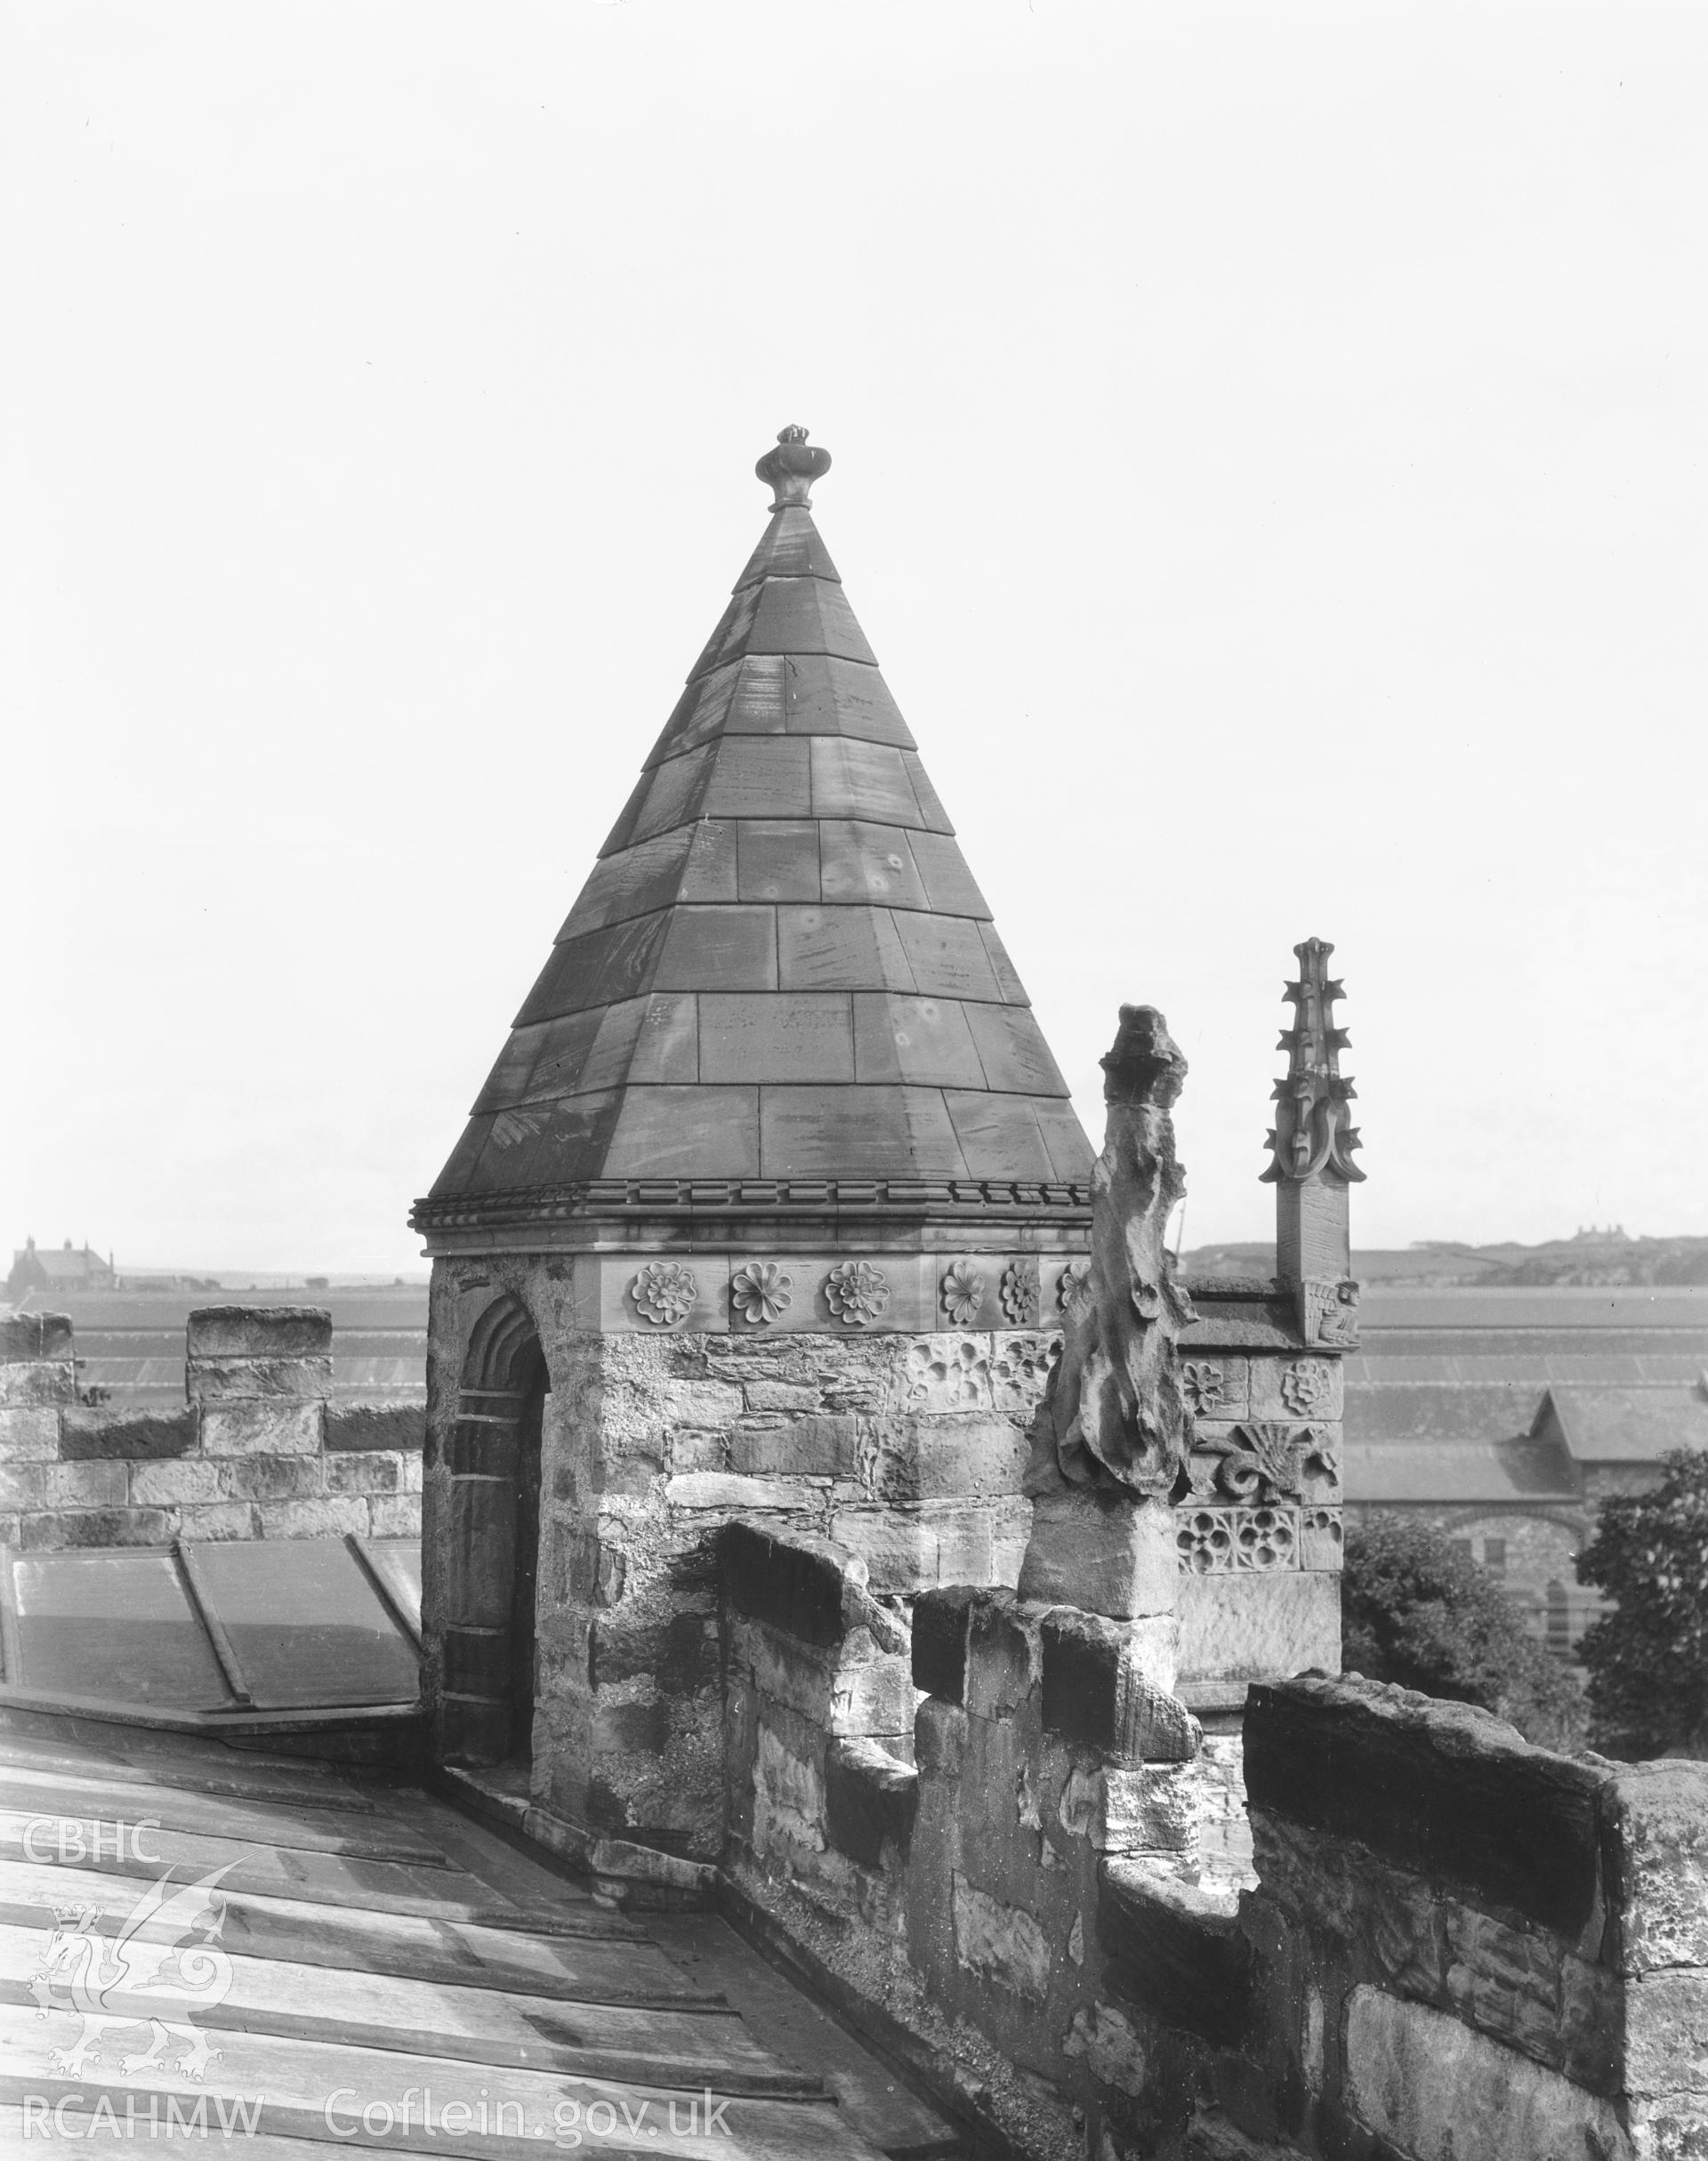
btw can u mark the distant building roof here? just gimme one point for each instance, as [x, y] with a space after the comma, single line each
[1449, 1472]
[44, 1267]
[1623, 1425]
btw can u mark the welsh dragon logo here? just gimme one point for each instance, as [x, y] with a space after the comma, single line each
[162, 1965]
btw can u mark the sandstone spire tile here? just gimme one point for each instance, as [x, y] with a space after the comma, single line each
[634, 883]
[728, 640]
[710, 871]
[806, 615]
[841, 948]
[604, 1063]
[827, 696]
[1010, 987]
[861, 861]
[791, 1036]
[667, 1044]
[702, 712]
[686, 1132]
[950, 887]
[758, 776]
[507, 1083]
[858, 1132]
[1011, 1048]
[544, 1144]
[791, 548]
[924, 1040]
[947, 957]
[777, 859]
[597, 970]
[759, 706]
[868, 781]
[730, 948]
[678, 791]
[1071, 1154]
[931, 811]
[998, 1135]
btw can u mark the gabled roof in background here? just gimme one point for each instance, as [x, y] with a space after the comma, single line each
[1625, 1425]
[781, 973]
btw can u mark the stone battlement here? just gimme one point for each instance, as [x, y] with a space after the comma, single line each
[260, 1450]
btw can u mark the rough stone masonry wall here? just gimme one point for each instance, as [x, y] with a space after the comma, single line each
[1455, 1947]
[906, 1447]
[259, 1451]
[906, 1450]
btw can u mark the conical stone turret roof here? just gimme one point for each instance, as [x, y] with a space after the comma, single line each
[780, 990]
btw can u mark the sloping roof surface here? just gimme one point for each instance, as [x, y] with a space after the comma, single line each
[1629, 1425]
[1452, 1470]
[781, 967]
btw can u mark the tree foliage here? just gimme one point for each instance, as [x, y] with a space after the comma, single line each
[1647, 1660]
[1418, 1611]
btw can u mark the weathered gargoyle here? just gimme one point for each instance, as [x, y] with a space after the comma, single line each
[1113, 1417]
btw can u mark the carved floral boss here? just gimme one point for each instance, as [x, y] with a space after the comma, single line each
[760, 1292]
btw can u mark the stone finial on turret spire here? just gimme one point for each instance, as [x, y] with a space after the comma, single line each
[1311, 1143]
[791, 468]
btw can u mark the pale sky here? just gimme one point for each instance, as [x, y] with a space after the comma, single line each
[1269, 466]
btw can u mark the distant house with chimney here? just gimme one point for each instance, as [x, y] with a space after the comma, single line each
[46, 1269]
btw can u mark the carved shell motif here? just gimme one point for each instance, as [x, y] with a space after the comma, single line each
[663, 1293]
[963, 1291]
[760, 1290]
[857, 1293]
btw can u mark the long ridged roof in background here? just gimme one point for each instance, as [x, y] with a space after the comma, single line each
[780, 980]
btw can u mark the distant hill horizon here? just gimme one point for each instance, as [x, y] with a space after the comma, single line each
[1591, 1258]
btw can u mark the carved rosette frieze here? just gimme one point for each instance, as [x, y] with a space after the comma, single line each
[784, 1292]
[1204, 1385]
[857, 1293]
[961, 1293]
[1307, 1385]
[760, 1292]
[1020, 1293]
[1068, 1282]
[663, 1293]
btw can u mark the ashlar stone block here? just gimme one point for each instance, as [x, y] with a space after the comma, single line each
[1436, 2088]
[265, 1428]
[29, 1433]
[1114, 1557]
[239, 1379]
[1004, 1943]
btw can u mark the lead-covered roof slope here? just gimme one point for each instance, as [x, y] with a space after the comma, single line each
[781, 968]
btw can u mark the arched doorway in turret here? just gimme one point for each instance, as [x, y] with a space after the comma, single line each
[486, 1683]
